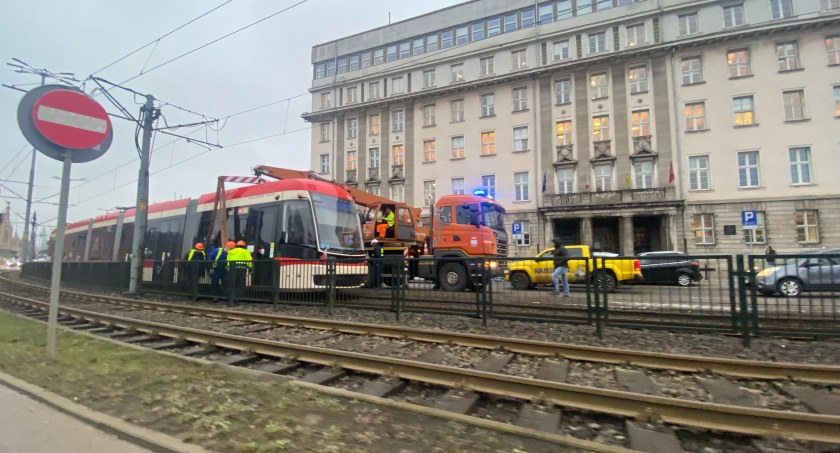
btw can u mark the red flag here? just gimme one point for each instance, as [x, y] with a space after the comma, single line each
[671, 176]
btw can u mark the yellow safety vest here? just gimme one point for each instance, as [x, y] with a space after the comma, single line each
[240, 254]
[389, 219]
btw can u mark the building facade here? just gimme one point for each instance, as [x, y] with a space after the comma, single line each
[9, 242]
[627, 125]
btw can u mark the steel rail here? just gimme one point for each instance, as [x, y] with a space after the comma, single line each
[761, 422]
[755, 369]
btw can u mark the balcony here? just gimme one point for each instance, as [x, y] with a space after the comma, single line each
[626, 196]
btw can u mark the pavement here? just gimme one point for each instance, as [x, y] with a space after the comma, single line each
[30, 426]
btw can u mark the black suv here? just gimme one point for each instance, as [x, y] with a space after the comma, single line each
[670, 268]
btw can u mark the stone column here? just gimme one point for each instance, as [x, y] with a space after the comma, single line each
[671, 222]
[625, 233]
[586, 230]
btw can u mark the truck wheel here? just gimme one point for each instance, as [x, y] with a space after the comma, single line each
[520, 280]
[453, 277]
[604, 281]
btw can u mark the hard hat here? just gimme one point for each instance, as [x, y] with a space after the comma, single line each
[240, 244]
[199, 246]
[231, 245]
[374, 241]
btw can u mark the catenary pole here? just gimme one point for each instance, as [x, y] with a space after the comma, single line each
[25, 253]
[148, 116]
[55, 283]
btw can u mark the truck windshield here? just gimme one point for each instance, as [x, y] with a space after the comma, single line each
[494, 216]
[338, 224]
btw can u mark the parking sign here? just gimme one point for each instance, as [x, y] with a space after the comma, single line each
[516, 228]
[749, 218]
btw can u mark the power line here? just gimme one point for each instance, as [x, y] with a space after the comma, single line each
[9, 162]
[157, 40]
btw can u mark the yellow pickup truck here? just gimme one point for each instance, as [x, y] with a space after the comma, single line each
[526, 274]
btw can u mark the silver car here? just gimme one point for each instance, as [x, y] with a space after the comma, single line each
[791, 276]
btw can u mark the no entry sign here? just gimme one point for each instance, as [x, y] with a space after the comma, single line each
[57, 119]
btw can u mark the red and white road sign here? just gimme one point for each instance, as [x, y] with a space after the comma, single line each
[71, 119]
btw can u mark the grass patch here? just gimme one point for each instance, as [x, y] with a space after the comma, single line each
[225, 411]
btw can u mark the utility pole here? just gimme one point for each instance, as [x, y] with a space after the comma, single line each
[33, 249]
[148, 115]
[24, 247]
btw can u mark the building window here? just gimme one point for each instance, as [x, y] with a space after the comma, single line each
[695, 116]
[457, 72]
[527, 18]
[748, 173]
[398, 193]
[520, 139]
[342, 65]
[546, 13]
[405, 50]
[488, 104]
[689, 24]
[488, 143]
[373, 90]
[598, 85]
[325, 163]
[367, 59]
[429, 193]
[352, 95]
[755, 234]
[432, 43]
[486, 66]
[351, 160]
[704, 229]
[827, 5]
[325, 132]
[563, 91]
[603, 177]
[643, 169]
[397, 120]
[519, 59]
[477, 29]
[494, 27]
[636, 35]
[391, 53]
[419, 46]
[456, 108]
[638, 79]
[398, 155]
[597, 42]
[640, 123]
[429, 115]
[698, 172]
[800, 165]
[319, 71]
[524, 238]
[378, 56]
[561, 50]
[373, 159]
[600, 128]
[832, 47]
[446, 39]
[352, 127]
[794, 105]
[462, 36]
[326, 100]
[373, 189]
[787, 53]
[807, 226]
[520, 186]
[520, 99]
[837, 101]
[733, 15]
[564, 132]
[373, 125]
[510, 22]
[488, 183]
[397, 85]
[457, 186]
[330, 68]
[692, 70]
[565, 179]
[781, 9]
[743, 111]
[429, 151]
[564, 9]
[457, 147]
[739, 62]
[429, 78]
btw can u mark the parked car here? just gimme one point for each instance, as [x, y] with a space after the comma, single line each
[790, 277]
[670, 267]
[525, 274]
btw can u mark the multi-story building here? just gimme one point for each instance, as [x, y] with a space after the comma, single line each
[627, 125]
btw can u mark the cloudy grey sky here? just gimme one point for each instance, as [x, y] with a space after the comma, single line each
[265, 63]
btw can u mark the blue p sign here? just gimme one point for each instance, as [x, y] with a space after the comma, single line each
[516, 228]
[749, 218]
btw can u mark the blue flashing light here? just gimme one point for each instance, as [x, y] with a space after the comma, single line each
[480, 192]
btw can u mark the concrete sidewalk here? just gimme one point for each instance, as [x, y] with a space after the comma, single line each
[29, 426]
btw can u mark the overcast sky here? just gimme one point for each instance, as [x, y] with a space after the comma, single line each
[267, 62]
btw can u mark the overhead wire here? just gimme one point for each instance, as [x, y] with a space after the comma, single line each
[9, 162]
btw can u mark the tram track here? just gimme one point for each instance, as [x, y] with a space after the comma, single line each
[680, 412]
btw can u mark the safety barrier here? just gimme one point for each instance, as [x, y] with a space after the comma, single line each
[741, 294]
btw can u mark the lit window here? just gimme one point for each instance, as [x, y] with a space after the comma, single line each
[429, 151]
[457, 110]
[794, 101]
[600, 128]
[698, 172]
[520, 139]
[351, 160]
[488, 143]
[429, 115]
[837, 101]
[565, 179]
[743, 111]
[597, 42]
[563, 91]
[603, 177]
[457, 71]
[689, 24]
[832, 47]
[457, 148]
[598, 85]
[800, 165]
[748, 173]
[398, 155]
[695, 116]
[373, 125]
[564, 132]
[739, 62]
[636, 35]
[561, 50]
[640, 123]
[733, 15]
[520, 99]
[704, 229]
[488, 104]
[638, 79]
[807, 226]
[643, 169]
[519, 59]
[488, 183]
[787, 53]
[520, 186]
[397, 120]
[755, 234]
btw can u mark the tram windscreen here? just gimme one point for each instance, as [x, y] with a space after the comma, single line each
[338, 224]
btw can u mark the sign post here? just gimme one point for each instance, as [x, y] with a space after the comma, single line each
[68, 125]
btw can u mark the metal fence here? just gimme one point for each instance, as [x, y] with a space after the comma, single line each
[742, 295]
